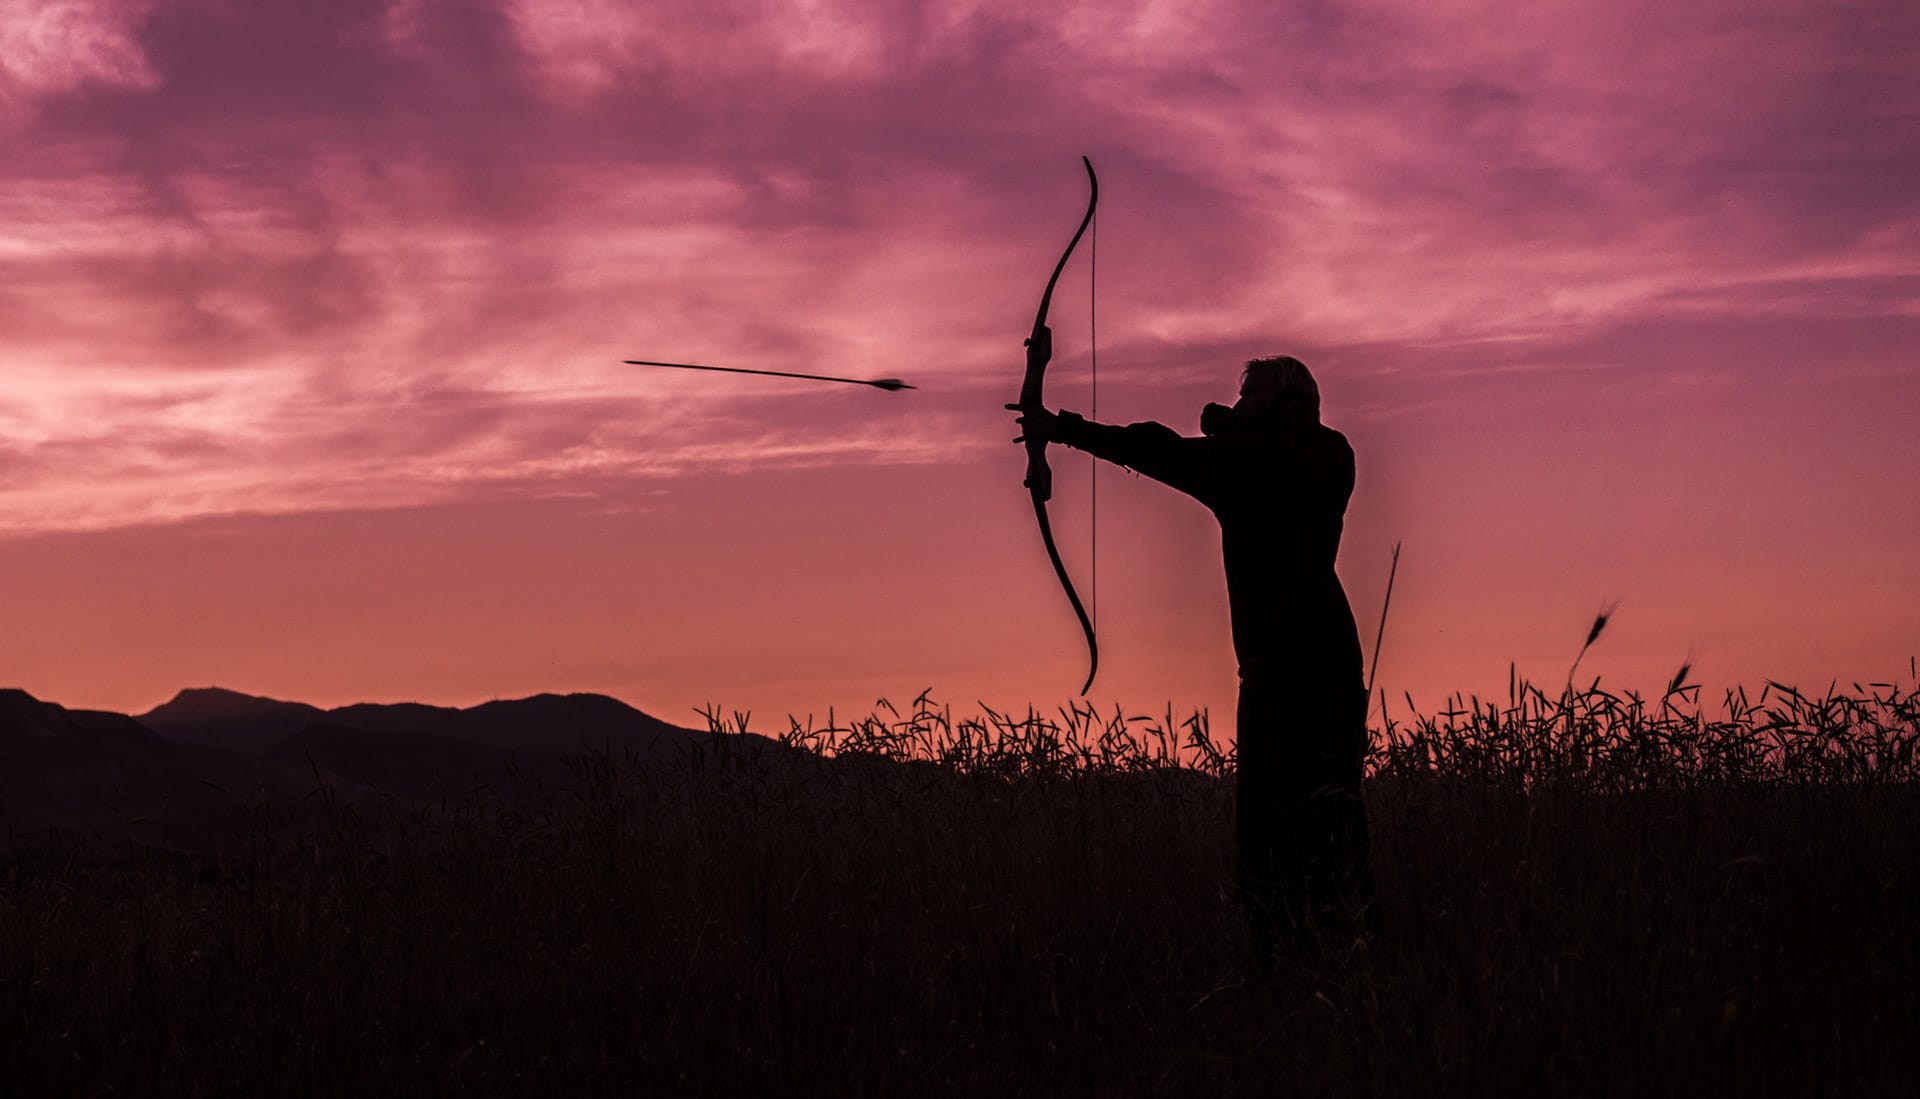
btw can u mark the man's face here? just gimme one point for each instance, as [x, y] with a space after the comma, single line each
[1258, 397]
[1262, 402]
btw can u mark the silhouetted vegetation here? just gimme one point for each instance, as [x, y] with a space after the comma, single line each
[1581, 893]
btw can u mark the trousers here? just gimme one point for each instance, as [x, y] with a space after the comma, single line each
[1303, 853]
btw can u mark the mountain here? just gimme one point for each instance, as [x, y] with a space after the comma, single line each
[570, 724]
[107, 775]
[563, 724]
[49, 753]
[195, 771]
[425, 751]
[27, 723]
[229, 719]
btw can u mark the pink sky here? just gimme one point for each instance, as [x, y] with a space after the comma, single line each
[311, 318]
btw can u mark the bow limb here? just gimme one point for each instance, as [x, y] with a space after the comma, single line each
[1039, 474]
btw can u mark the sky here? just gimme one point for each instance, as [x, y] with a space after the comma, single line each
[312, 319]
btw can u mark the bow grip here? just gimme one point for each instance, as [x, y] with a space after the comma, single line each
[1039, 474]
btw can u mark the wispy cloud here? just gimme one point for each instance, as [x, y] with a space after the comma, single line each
[283, 255]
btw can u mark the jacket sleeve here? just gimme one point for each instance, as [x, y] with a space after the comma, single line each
[1190, 465]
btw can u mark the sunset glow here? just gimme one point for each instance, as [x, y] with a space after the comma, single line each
[312, 319]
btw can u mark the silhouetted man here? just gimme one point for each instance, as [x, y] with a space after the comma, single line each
[1278, 480]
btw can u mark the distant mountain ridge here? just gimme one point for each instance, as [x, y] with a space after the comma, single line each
[24, 717]
[107, 775]
[228, 719]
[191, 767]
[565, 724]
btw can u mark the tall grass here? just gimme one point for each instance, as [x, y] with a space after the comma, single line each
[1582, 892]
[1596, 741]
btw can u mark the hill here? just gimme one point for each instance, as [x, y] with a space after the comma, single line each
[107, 775]
[193, 771]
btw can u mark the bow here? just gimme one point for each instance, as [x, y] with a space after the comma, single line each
[1039, 475]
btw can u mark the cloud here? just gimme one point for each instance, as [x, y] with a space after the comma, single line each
[280, 255]
[54, 46]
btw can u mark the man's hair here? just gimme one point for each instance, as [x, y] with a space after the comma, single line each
[1287, 376]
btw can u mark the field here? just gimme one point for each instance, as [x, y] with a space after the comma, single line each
[1579, 893]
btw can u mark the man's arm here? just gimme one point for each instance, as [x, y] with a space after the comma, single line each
[1154, 449]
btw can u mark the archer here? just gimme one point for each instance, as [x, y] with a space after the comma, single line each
[1278, 481]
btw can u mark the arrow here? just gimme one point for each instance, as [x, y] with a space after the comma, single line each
[889, 384]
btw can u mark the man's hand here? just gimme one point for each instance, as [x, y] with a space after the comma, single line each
[1214, 419]
[1035, 423]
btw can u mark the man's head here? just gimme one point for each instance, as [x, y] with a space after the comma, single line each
[1277, 389]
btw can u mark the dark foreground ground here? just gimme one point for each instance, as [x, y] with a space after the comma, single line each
[872, 927]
